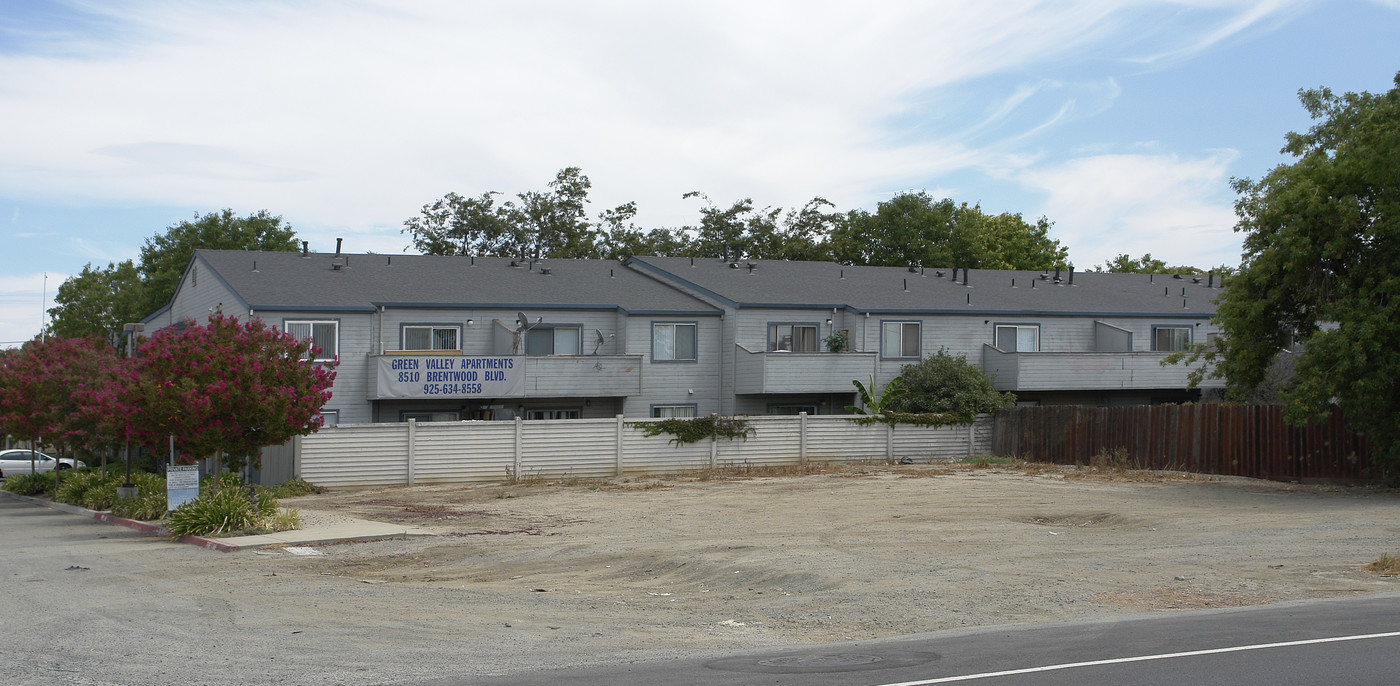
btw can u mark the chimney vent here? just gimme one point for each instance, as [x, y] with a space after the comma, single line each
[304, 251]
[337, 245]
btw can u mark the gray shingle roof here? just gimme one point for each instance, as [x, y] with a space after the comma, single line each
[772, 283]
[286, 280]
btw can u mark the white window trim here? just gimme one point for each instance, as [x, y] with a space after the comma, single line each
[553, 330]
[773, 335]
[311, 323]
[432, 337]
[1018, 328]
[674, 326]
[1190, 337]
[919, 325]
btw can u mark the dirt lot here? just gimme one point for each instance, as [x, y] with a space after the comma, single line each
[698, 564]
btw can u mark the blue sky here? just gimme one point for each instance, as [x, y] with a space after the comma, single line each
[1122, 122]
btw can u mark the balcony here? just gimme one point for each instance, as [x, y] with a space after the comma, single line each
[1086, 371]
[783, 372]
[418, 376]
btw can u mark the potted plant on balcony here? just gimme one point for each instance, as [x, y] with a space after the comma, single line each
[837, 342]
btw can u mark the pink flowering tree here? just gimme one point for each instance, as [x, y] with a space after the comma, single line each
[222, 388]
[49, 391]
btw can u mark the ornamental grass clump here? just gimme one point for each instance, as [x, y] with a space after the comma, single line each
[149, 503]
[229, 510]
[29, 484]
[75, 486]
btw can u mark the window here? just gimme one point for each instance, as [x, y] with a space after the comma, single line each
[1018, 338]
[330, 417]
[792, 409]
[672, 411]
[424, 337]
[553, 414]
[900, 339]
[324, 335]
[672, 342]
[430, 416]
[796, 338]
[1171, 338]
[552, 340]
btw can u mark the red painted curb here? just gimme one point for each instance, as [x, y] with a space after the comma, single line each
[147, 527]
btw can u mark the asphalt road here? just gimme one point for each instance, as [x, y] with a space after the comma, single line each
[1332, 642]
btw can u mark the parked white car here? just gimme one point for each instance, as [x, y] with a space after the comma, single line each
[17, 462]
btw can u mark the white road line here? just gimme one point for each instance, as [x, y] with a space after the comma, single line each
[1140, 658]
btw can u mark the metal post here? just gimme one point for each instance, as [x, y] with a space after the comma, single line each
[412, 438]
[619, 444]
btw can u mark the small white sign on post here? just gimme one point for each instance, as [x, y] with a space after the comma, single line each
[181, 484]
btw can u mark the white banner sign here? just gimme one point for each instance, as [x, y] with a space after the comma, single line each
[181, 485]
[451, 376]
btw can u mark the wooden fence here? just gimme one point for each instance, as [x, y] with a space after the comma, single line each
[1236, 440]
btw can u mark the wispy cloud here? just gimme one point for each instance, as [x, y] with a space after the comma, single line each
[1176, 208]
[358, 114]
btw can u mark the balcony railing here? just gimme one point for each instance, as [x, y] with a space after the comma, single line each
[1085, 371]
[784, 372]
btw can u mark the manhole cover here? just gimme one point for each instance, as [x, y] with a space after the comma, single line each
[821, 660]
[823, 663]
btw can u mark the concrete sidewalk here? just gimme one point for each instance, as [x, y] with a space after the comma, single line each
[320, 528]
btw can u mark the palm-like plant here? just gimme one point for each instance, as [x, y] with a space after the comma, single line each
[877, 405]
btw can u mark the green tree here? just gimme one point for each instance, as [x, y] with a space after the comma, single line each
[222, 388]
[1322, 241]
[165, 256]
[42, 388]
[949, 384]
[744, 232]
[97, 302]
[915, 229]
[1147, 264]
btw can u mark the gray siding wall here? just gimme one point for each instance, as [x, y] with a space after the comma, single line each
[677, 383]
[478, 339]
[202, 293]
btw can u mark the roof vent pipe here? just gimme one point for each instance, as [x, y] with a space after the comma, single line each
[965, 276]
[304, 251]
[1071, 275]
[337, 245]
[906, 285]
[1212, 279]
[1057, 273]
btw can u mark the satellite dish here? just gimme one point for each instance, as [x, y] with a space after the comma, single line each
[597, 344]
[523, 320]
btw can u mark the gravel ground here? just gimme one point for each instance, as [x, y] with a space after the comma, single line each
[538, 576]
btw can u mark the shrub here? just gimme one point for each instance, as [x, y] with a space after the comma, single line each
[292, 489]
[30, 484]
[75, 485]
[948, 384]
[149, 503]
[228, 510]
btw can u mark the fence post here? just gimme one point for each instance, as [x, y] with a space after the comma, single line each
[889, 442]
[972, 437]
[412, 438]
[802, 438]
[519, 449]
[619, 445]
[714, 450]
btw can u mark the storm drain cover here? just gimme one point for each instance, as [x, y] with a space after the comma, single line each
[822, 663]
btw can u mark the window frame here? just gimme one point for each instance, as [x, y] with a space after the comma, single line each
[1018, 326]
[695, 337]
[792, 336]
[553, 338]
[815, 407]
[577, 411]
[432, 328]
[311, 323]
[918, 353]
[1169, 327]
[325, 413]
[405, 415]
[693, 407]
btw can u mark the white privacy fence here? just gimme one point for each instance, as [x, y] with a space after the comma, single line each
[483, 451]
